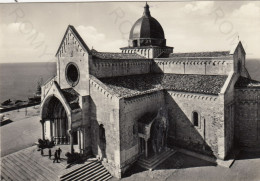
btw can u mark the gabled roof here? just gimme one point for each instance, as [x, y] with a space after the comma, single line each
[201, 54]
[79, 38]
[235, 46]
[244, 82]
[110, 55]
[133, 85]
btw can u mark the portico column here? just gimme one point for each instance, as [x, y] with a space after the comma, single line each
[51, 129]
[61, 131]
[82, 140]
[43, 134]
[71, 141]
[57, 130]
[79, 140]
[146, 148]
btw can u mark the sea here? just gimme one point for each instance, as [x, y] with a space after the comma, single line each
[18, 81]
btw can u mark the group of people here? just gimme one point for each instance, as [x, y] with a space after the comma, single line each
[56, 154]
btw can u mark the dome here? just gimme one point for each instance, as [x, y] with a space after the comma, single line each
[146, 31]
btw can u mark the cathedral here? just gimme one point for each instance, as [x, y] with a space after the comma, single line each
[121, 107]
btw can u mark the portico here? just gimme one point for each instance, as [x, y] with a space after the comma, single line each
[57, 113]
[152, 132]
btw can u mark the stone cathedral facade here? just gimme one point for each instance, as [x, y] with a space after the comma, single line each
[120, 106]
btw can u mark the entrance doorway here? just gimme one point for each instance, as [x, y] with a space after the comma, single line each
[55, 121]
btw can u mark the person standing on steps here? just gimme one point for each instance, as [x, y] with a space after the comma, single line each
[59, 152]
[55, 157]
[49, 153]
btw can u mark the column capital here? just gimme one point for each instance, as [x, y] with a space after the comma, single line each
[70, 131]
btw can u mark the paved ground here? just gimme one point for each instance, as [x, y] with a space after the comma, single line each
[26, 129]
[22, 132]
[29, 164]
[181, 167]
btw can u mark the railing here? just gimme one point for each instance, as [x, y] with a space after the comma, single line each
[47, 85]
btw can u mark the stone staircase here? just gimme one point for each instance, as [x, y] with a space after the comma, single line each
[154, 161]
[90, 170]
[22, 166]
[29, 164]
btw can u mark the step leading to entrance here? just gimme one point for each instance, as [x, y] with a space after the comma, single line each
[90, 170]
[154, 161]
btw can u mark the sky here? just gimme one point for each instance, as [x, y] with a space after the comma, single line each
[32, 32]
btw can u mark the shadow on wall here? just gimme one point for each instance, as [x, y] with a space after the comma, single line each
[102, 141]
[186, 133]
[98, 133]
[181, 133]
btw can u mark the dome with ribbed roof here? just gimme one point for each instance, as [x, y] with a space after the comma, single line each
[146, 31]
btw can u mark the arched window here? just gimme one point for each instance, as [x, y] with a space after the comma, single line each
[102, 134]
[195, 119]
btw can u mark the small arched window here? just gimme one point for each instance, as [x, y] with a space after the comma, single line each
[195, 119]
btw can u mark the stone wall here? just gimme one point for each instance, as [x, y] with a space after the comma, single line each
[86, 124]
[132, 109]
[228, 91]
[104, 109]
[229, 127]
[206, 66]
[111, 68]
[148, 52]
[208, 136]
[247, 117]
[72, 51]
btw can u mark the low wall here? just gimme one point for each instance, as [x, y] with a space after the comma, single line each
[18, 107]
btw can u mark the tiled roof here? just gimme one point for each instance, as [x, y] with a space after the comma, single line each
[125, 86]
[72, 98]
[110, 56]
[244, 82]
[205, 84]
[128, 86]
[201, 54]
